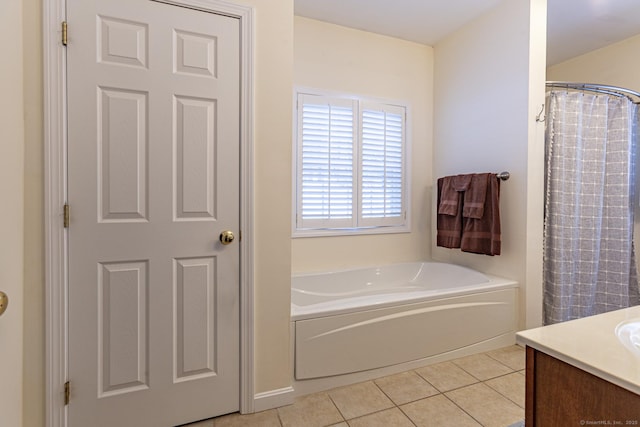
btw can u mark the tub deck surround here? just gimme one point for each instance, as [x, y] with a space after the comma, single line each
[322, 294]
[372, 321]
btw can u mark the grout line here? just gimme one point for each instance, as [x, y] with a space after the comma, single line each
[462, 409]
[344, 419]
[502, 394]
[455, 388]
[382, 391]
[472, 376]
[492, 389]
[499, 361]
[411, 401]
[279, 418]
[379, 411]
[407, 415]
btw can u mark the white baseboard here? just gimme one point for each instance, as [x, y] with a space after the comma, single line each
[273, 399]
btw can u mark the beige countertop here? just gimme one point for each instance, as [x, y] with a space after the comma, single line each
[591, 344]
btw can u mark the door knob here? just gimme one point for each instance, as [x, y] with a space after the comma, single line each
[226, 237]
[4, 301]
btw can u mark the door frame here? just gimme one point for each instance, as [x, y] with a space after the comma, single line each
[55, 193]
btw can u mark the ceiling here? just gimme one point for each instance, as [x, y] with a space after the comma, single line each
[574, 27]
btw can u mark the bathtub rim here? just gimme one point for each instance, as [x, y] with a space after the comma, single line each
[369, 267]
[350, 305]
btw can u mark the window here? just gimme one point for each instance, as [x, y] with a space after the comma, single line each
[350, 173]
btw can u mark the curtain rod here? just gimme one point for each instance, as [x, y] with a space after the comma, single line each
[591, 87]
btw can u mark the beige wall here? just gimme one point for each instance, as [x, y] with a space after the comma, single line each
[272, 139]
[344, 60]
[11, 213]
[484, 122]
[531, 297]
[615, 65]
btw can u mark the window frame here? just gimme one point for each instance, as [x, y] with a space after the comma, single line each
[359, 225]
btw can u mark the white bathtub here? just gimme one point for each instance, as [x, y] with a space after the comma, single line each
[400, 315]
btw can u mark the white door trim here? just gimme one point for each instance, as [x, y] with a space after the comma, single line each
[55, 147]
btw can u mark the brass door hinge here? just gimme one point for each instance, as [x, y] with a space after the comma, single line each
[64, 33]
[67, 393]
[66, 215]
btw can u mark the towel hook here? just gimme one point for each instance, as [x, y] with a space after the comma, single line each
[538, 117]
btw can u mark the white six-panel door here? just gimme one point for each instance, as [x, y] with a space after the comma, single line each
[153, 179]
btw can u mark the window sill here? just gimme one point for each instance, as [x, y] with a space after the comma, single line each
[362, 231]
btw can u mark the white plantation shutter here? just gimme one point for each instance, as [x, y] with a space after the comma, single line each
[325, 160]
[350, 166]
[382, 161]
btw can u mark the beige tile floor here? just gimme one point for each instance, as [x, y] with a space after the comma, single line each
[485, 389]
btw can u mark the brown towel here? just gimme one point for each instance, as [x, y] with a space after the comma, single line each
[482, 235]
[475, 195]
[476, 226]
[449, 226]
[452, 186]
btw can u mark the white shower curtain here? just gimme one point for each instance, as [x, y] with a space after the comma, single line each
[589, 262]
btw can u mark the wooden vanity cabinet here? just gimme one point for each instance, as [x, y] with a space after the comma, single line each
[559, 394]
